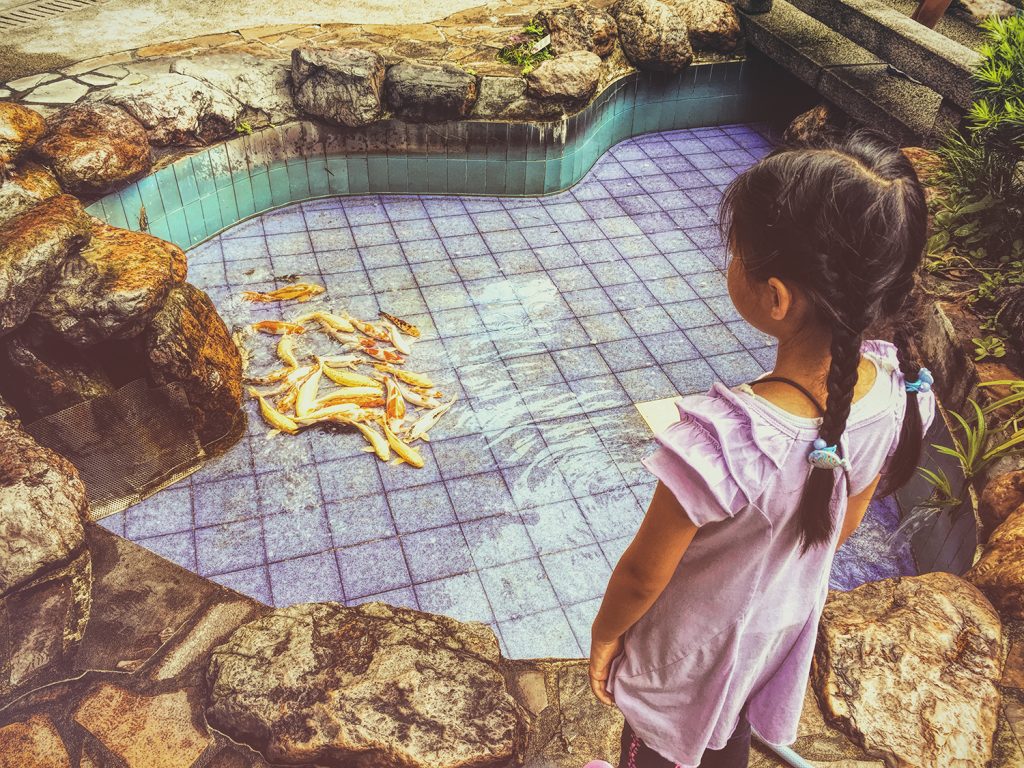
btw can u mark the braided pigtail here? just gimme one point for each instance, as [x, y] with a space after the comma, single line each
[904, 461]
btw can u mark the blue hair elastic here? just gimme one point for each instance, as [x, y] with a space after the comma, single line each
[827, 456]
[924, 382]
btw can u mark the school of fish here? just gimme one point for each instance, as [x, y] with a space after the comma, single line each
[366, 389]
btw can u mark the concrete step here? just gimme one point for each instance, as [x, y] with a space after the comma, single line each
[853, 78]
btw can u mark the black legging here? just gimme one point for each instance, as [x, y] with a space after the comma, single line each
[735, 753]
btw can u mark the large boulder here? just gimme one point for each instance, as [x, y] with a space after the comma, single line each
[907, 667]
[260, 86]
[713, 25]
[113, 287]
[45, 570]
[815, 125]
[33, 248]
[570, 79]
[579, 27]
[20, 128]
[1002, 495]
[506, 98]
[27, 185]
[45, 375]
[187, 342]
[999, 573]
[653, 35]
[95, 148]
[372, 685]
[175, 109]
[430, 92]
[341, 85]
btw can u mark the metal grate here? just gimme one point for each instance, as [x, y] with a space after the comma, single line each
[27, 14]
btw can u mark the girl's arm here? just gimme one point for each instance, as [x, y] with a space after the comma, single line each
[855, 509]
[641, 574]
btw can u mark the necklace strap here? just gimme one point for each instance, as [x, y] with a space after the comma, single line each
[799, 387]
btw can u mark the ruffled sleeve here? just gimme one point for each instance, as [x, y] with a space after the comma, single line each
[709, 459]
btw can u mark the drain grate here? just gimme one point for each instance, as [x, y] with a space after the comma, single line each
[27, 14]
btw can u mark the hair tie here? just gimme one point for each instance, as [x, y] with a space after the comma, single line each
[924, 382]
[825, 456]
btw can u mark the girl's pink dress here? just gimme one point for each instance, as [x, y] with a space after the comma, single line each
[737, 622]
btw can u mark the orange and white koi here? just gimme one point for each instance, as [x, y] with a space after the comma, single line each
[403, 325]
[378, 332]
[415, 379]
[431, 400]
[294, 292]
[394, 405]
[384, 354]
[273, 417]
[427, 422]
[364, 396]
[277, 326]
[402, 344]
[406, 452]
[327, 320]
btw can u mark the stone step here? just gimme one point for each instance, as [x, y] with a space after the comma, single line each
[853, 78]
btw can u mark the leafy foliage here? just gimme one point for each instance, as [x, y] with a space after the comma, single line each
[519, 52]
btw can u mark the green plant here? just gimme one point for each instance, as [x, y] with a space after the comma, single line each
[989, 346]
[522, 49]
[244, 128]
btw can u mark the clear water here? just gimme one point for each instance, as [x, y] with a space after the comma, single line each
[549, 319]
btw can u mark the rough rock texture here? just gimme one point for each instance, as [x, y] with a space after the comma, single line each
[258, 85]
[45, 570]
[8, 412]
[188, 342]
[1002, 495]
[653, 35]
[579, 27]
[95, 148]
[113, 287]
[979, 10]
[28, 184]
[372, 686]
[753, 6]
[1000, 571]
[20, 128]
[175, 109]
[341, 85]
[815, 124]
[430, 92]
[33, 247]
[570, 79]
[45, 375]
[1011, 315]
[506, 98]
[713, 25]
[907, 667]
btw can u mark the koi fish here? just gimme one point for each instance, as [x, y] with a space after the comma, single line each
[271, 378]
[427, 422]
[378, 332]
[400, 342]
[365, 396]
[327, 320]
[307, 390]
[417, 399]
[273, 417]
[404, 326]
[329, 413]
[380, 445]
[277, 326]
[348, 378]
[286, 351]
[406, 452]
[294, 292]
[394, 405]
[415, 379]
[384, 354]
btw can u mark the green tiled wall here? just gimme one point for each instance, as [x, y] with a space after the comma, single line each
[198, 196]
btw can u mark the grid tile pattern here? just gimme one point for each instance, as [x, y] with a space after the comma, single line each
[549, 319]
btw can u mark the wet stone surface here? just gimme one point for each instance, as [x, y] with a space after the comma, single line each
[549, 319]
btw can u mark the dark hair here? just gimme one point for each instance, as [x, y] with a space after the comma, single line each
[845, 220]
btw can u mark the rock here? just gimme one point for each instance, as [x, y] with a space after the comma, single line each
[505, 98]
[143, 731]
[371, 685]
[430, 92]
[33, 247]
[999, 573]
[579, 27]
[979, 10]
[95, 148]
[29, 82]
[60, 92]
[713, 25]
[653, 36]
[28, 184]
[1002, 495]
[753, 6]
[113, 287]
[342, 85]
[33, 742]
[8, 412]
[20, 128]
[260, 86]
[188, 342]
[907, 667]
[45, 570]
[1011, 315]
[175, 109]
[46, 375]
[570, 79]
[815, 124]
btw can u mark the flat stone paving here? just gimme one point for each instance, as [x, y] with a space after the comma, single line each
[549, 318]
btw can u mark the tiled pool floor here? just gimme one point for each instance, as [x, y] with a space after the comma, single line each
[549, 319]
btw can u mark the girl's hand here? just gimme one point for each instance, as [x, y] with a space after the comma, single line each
[601, 656]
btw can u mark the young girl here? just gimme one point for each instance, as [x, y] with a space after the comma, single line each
[707, 628]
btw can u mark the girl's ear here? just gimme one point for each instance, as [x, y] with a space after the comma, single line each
[781, 298]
